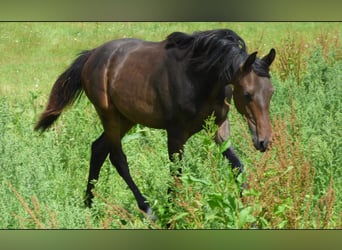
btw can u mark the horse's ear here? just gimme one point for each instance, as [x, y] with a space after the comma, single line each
[270, 57]
[247, 65]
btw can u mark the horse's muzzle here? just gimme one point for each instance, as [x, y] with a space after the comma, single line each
[261, 145]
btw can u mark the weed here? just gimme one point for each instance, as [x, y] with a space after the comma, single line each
[296, 184]
[36, 217]
[290, 58]
[282, 192]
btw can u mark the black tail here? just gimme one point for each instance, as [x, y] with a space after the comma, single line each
[65, 91]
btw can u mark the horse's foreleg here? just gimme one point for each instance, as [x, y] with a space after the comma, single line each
[176, 139]
[222, 135]
[175, 143]
[99, 153]
[234, 160]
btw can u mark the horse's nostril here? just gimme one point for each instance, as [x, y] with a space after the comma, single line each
[263, 145]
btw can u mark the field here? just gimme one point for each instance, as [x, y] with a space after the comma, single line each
[296, 184]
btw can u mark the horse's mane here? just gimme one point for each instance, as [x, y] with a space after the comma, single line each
[220, 49]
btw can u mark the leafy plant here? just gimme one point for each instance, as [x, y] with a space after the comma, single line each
[296, 184]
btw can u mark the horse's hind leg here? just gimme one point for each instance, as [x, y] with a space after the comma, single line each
[118, 159]
[99, 152]
[116, 126]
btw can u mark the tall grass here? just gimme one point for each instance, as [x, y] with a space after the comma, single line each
[296, 184]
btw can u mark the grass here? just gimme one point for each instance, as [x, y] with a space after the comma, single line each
[297, 184]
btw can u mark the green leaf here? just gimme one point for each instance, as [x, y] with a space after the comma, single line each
[130, 137]
[245, 216]
[251, 192]
[191, 179]
[216, 200]
[264, 222]
[282, 224]
[233, 203]
[225, 145]
[288, 169]
[180, 216]
[281, 209]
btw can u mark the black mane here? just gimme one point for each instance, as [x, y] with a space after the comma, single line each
[222, 50]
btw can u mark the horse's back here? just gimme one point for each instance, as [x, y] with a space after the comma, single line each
[124, 73]
[102, 55]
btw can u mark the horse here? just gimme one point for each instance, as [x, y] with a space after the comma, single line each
[174, 84]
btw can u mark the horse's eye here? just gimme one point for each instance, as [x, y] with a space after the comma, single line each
[248, 96]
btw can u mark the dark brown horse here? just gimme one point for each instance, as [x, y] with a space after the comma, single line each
[174, 85]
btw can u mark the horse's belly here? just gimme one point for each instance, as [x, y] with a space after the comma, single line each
[139, 106]
[143, 114]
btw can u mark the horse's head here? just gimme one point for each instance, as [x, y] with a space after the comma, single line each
[252, 95]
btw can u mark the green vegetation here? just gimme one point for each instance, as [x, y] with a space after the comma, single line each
[296, 184]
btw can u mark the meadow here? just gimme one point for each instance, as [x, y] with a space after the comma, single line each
[297, 184]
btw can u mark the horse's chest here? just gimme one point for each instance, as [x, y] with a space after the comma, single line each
[195, 123]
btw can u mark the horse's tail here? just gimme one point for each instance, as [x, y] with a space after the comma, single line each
[66, 90]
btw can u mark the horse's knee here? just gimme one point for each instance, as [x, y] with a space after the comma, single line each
[222, 133]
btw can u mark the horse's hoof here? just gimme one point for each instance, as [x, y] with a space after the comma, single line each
[88, 203]
[150, 215]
